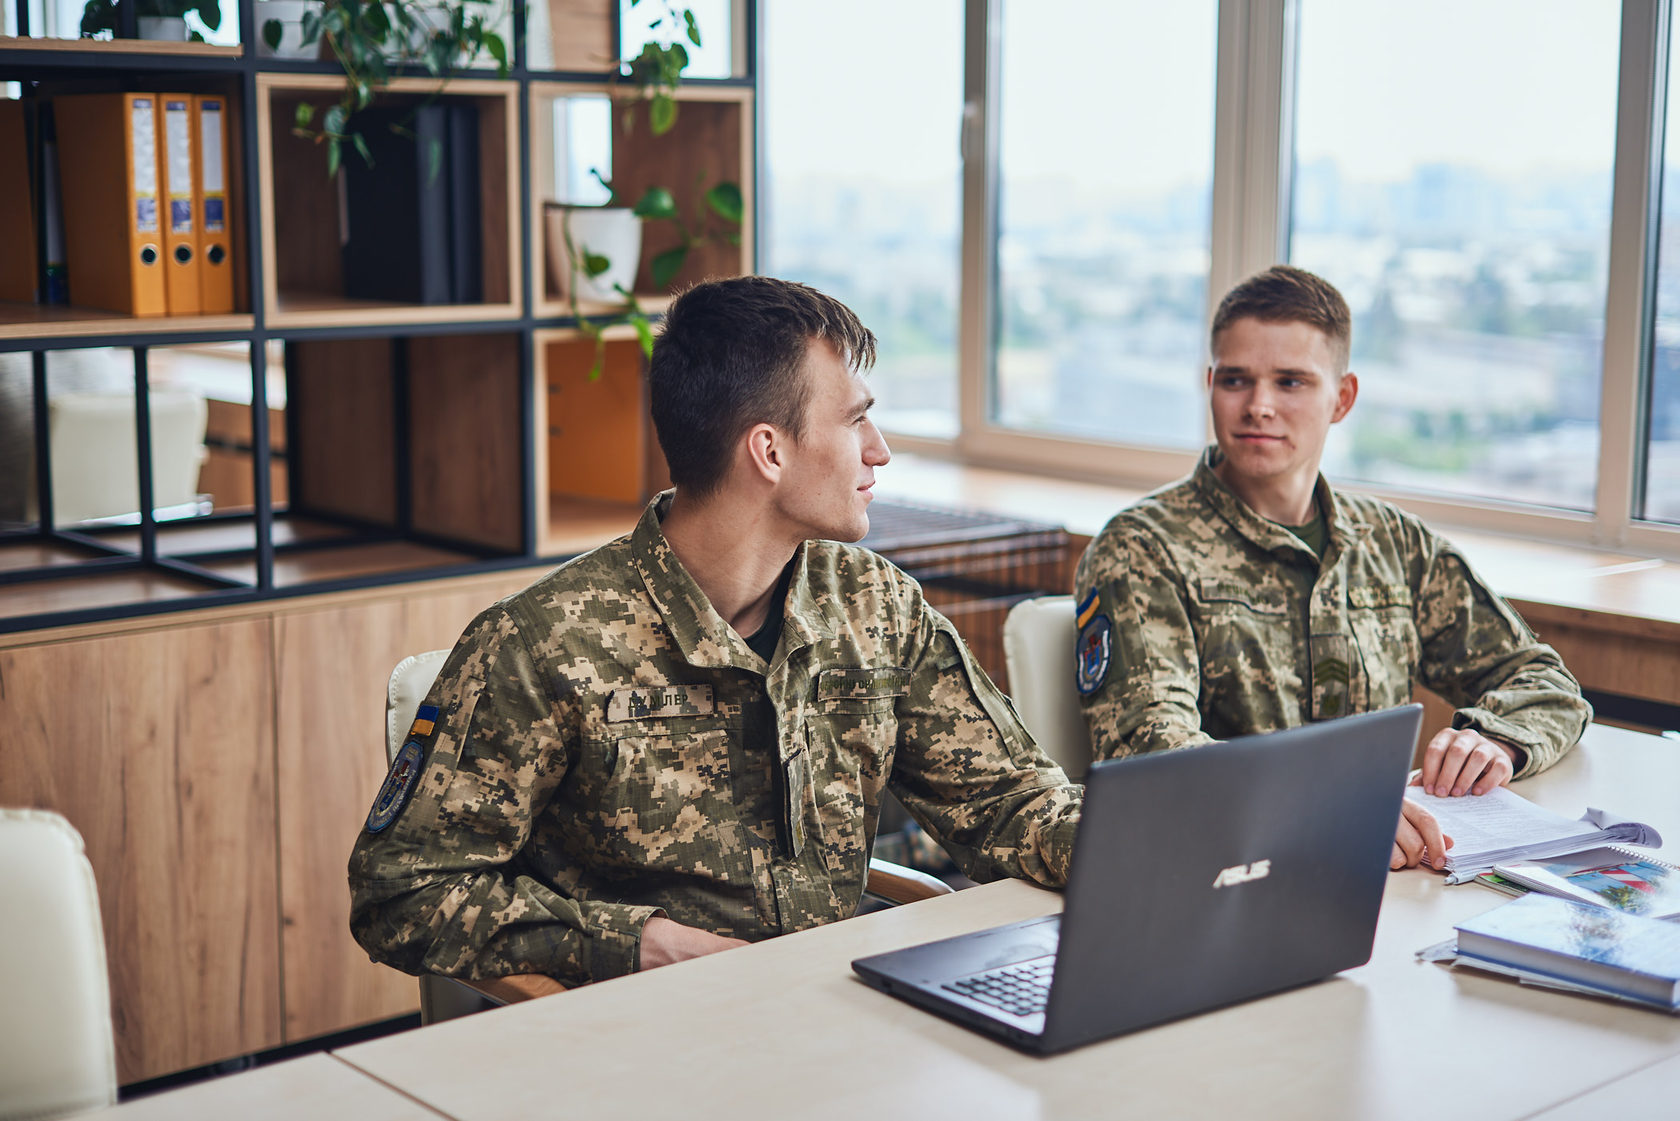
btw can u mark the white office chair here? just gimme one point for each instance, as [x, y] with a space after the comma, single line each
[93, 452]
[57, 1049]
[1038, 652]
[444, 998]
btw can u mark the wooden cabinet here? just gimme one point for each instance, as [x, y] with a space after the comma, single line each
[158, 745]
[219, 769]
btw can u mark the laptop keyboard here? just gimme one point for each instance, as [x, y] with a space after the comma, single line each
[1020, 989]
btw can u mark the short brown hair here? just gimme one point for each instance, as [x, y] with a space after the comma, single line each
[1286, 294]
[731, 355]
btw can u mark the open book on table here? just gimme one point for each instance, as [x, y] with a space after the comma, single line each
[1502, 826]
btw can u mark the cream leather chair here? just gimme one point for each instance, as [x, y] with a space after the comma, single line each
[57, 1051]
[93, 452]
[444, 998]
[1038, 650]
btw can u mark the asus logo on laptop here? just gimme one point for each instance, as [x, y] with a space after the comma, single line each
[1242, 873]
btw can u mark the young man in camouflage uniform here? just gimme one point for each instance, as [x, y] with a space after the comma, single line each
[1251, 596]
[678, 743]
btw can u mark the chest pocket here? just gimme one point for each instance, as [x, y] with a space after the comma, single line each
[850, 731]
[1225, 597]
[1389, 647]
[654, 793]
[1243, 634]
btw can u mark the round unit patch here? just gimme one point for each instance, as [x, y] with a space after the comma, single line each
[1091, 655]
[399, 783]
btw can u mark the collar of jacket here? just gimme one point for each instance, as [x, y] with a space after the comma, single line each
[1345, 526]
[698, 630]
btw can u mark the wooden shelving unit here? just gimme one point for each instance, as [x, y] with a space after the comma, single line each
[450, 436]
[400, 467]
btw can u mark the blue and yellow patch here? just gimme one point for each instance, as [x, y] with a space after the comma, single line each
[1092, 652]
[1083, 613]
[424, 721]
[398, 785]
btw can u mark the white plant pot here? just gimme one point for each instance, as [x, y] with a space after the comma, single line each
[165, 29]
[290, 13]
[613, 232]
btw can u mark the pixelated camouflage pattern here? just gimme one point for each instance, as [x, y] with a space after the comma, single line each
[1227, 624]
[592, 767]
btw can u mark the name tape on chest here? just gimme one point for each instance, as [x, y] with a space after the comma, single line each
[647, 702]
[862, 683]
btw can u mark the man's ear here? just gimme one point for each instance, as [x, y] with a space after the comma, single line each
[1346, 393]
[766, 451]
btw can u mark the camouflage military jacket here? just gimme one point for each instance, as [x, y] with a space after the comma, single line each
[586, 767]
[1201, 620]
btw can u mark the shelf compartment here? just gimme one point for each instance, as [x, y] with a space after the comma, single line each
[302, 256]
[62, 323]
[597, 443]
[711, 143]
[419, 439]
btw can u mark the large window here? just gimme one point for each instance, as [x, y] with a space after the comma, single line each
[1479, 177]
[1456, 187]
[1105, 171]
[862, 178]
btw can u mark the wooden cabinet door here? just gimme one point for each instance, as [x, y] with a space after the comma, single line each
[158, 746]
[332, 668]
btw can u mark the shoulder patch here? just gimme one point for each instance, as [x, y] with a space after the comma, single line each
[424, 721]
[1093, 654]
[398, 785]
[1087, 608]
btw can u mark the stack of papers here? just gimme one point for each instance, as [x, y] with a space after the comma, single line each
[1501, 827]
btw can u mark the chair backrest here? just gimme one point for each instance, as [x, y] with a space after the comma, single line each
[93, 456]
[1038, 649]
[410, 682]
[57, 1049]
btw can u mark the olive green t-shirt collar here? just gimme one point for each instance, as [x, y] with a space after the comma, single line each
[1342, 527]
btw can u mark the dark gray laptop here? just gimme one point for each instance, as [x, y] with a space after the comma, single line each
[1200, 878]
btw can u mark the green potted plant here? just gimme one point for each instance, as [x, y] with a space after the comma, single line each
[656, 74]
[154, 19]
[368, 38]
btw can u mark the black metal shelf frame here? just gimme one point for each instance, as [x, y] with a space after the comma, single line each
[106, 65]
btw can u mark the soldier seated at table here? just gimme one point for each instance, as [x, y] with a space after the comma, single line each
[679, 742]
[1252, 596]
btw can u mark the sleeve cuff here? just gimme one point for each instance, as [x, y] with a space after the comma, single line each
[1518, 739]
[615, 947]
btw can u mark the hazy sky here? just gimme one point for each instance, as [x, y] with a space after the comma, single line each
[1505, 85]
[1123, 90]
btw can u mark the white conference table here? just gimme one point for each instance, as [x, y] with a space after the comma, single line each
[782, 1028]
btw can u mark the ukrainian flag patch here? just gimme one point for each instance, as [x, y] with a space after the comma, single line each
[1087, 609]
[424, 721]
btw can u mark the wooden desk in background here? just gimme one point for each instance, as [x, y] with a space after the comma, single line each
[1614, 617]
[782, 1029]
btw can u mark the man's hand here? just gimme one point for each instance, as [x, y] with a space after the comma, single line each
[1419, 838]
[665, 941]
[1459, 762]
